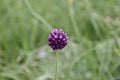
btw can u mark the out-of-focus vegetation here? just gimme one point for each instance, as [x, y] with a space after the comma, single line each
[93, 52]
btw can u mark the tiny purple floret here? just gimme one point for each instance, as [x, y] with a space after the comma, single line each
[57, 39]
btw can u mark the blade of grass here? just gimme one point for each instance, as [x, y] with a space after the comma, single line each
[38, 16]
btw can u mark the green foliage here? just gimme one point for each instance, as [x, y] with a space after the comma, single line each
[93, 52]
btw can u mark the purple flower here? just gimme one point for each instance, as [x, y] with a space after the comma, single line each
[57, 39]
[42, 53]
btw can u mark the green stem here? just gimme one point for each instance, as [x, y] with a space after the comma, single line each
[56, 66]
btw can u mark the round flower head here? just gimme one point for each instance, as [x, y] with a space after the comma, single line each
[57, 39]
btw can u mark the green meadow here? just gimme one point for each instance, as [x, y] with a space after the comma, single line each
[93, 50]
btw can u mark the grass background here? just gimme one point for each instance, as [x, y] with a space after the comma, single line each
[93, 52]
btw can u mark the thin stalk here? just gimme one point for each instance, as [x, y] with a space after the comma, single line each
[56, 67]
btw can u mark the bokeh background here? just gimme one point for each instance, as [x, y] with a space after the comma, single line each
[93, 52]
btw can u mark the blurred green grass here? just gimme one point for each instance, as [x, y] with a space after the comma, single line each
[93, 52]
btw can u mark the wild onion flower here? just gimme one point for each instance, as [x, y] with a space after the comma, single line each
[57, 39]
